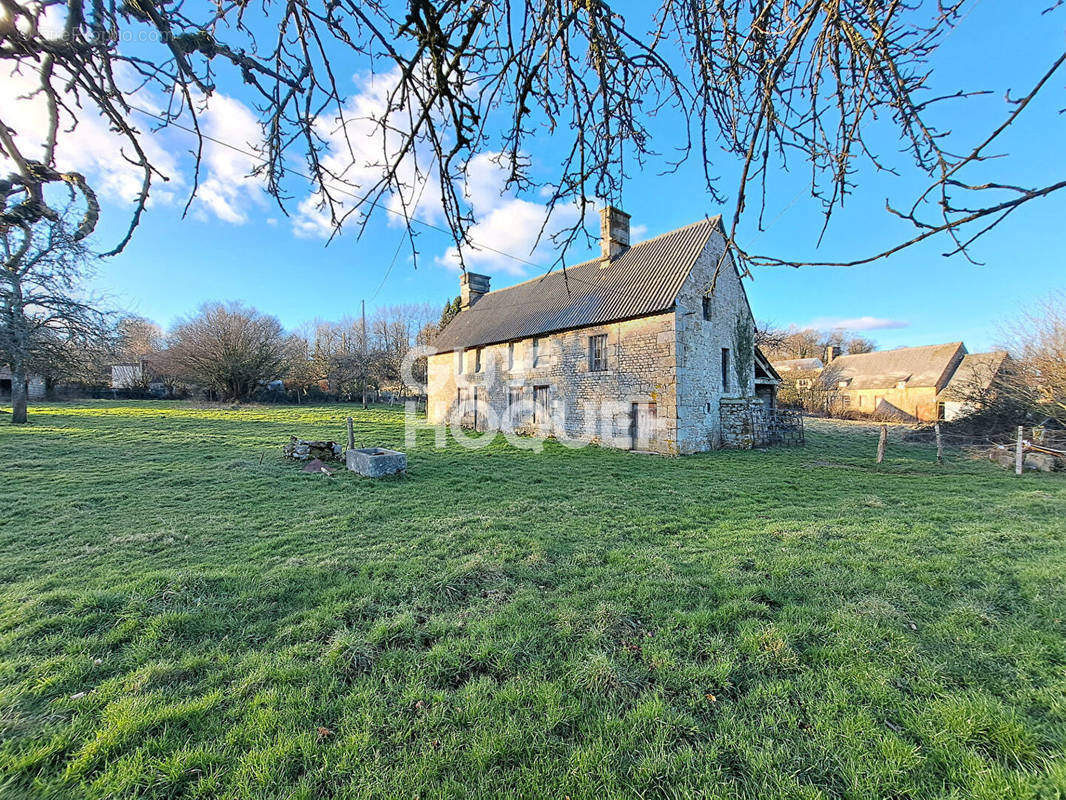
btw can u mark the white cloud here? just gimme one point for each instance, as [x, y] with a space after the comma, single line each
[507, 226]
[357, 152]
[226, 191]
[92, 148]
[866, 323]
[228, 188]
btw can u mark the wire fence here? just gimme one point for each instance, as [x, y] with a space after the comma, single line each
[1024, 447]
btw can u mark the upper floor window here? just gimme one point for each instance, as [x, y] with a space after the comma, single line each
[460, 357]
[510, 355]
[598, 352]
[536, 352]
[725, 369]
[477, 360]
[706, 308]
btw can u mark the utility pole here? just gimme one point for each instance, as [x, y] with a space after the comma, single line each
[362, 371]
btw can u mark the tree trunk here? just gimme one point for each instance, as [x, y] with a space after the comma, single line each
[18, 394]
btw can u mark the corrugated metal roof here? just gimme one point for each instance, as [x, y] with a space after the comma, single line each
[643, 280]
[884, 369]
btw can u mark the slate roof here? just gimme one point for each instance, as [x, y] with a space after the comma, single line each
[976, 371]
[642, 281]
[884, 369]
[790, 364]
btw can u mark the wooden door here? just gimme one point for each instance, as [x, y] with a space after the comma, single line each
[644, 418]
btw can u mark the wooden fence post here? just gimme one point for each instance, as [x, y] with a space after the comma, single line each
[351, 435]
[1018, 451]
[939, 445]
[881, 440]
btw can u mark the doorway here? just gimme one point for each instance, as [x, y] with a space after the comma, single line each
[644, 419]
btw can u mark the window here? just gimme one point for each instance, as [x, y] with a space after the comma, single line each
[706, 308]
[540, 405]
[536, 352]
[725, 369]
[845, 400]
[510, 356]
[460, 356]
[598, 353]
[477, 360]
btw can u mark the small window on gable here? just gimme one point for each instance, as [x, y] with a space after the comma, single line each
[598, 353]
[706, 308]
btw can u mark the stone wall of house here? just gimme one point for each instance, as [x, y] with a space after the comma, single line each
[699, 347]
[584, 404]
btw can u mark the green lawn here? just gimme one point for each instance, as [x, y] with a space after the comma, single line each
[183, 613]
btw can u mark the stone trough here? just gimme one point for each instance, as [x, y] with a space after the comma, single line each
[375, 462]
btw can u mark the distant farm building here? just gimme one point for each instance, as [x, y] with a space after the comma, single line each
[35, 385]
[926, 383]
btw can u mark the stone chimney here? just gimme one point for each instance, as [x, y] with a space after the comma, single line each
[614, 233]
[472, 287]
[831, 352]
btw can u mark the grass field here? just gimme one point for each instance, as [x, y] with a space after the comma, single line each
[183, 613]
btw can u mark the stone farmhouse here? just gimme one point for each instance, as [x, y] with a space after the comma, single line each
[914, 383]
[648, 347]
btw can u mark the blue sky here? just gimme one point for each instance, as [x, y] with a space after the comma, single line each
[235, 245]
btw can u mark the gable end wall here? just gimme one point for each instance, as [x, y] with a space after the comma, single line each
[699, 347]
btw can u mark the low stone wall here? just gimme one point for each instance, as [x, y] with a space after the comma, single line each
[748, 423]
[743, 423]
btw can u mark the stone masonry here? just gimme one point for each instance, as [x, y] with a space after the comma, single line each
[595, 406]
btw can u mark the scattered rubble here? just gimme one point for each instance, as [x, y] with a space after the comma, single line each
[1033, 457]
[304, 449]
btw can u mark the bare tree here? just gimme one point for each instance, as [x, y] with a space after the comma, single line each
[45, 318]
[137, 338]
[766, 82]
[229, 349]
[1037, 370]
[137, 343]
[769, 338]
[813, 390]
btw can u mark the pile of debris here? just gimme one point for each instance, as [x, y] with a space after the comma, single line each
[304, 449]
[1035, 455]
